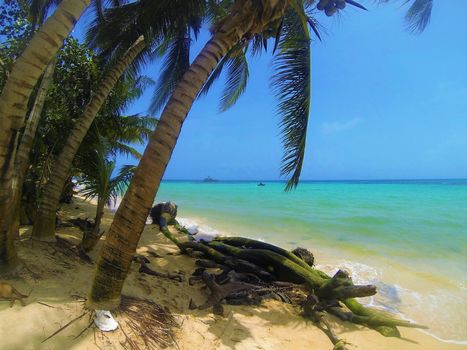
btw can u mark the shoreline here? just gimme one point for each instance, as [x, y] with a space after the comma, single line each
[327, 261]
[272, 325]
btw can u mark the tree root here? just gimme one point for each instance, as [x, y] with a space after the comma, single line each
[372, 320]
[148, 271]
[270, 263]
[221, 292]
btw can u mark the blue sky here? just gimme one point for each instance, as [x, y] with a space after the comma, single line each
[386, 104]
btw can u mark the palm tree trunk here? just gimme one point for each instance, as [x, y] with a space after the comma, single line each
[90, 239]
[15, 95]
[128, 224]
[25, 146]
[44, 224]
[98, 218]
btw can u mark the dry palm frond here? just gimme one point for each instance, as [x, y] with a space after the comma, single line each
[148, 325]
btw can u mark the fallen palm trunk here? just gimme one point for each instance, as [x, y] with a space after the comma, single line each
[251, 243]
[286, 266]
[314, 279]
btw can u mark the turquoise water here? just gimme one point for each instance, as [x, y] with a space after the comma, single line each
[409, 238]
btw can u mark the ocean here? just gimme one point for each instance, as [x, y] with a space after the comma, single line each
[409, 238]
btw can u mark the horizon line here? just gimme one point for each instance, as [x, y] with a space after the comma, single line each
[304, 180]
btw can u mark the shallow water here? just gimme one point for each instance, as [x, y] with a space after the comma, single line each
[407, 237]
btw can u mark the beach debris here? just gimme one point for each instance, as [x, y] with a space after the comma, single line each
[305, 255]
[65, 326]
[75, 250]
[251, 270]
[90, 236]
[314, 310]
[82, 224]
[146, 325]
[144, 268]
[9, 293]
[104, 320]
[221, 292]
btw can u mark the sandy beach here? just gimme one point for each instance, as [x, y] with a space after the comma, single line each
[58, 284]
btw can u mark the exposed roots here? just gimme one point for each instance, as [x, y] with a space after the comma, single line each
[248, 267]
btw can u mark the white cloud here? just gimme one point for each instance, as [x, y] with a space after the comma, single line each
[338, 126]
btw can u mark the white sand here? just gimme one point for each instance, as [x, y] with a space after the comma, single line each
[60, 278]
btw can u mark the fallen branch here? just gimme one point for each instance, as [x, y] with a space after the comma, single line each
[64, 327]
[221, 292]
[269, 263]
[144, 268]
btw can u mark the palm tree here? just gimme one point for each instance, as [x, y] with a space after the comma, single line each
[44, 225]
[160, 28]
[247, 22]
[246, 19]
[21, 163]
[14, 99]
[97, 182]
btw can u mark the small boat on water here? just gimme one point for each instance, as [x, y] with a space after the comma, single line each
[209, 179]
[261, 184]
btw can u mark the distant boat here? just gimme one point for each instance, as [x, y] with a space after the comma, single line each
[209, 179]
[261, 184]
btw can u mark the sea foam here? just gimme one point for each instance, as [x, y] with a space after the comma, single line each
[198, 231]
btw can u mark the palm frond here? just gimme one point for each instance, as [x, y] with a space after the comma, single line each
[39, 10]
[120, 183]
[258, 44]
[124, 149]
[314, 25]
[356, 4]
[129, 129]
[176, 63]
[418, 15]
[292, 87]
[216, 73]
[96, 170]
[237, 78]
[218, 70]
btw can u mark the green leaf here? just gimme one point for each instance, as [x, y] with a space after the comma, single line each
[176, 63]
[237, 78]
[292, 87]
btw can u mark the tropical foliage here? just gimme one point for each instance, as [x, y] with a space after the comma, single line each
[15, 32]
[97, 180]
[76, 76]
[163, 30]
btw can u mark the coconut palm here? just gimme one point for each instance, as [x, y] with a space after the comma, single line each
[159, 29]
[246, 22]
[97, 182]
[245, 19]
[44, 225]
[21, 163]
[14, 97]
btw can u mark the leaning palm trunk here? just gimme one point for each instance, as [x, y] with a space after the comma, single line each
[44, 223]
[128, 224]
[25, 146]
[15, 95]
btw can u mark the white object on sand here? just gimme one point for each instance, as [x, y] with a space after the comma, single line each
[104, 321]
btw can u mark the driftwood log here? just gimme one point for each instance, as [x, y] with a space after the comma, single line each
[144, 268]
[250, 269]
